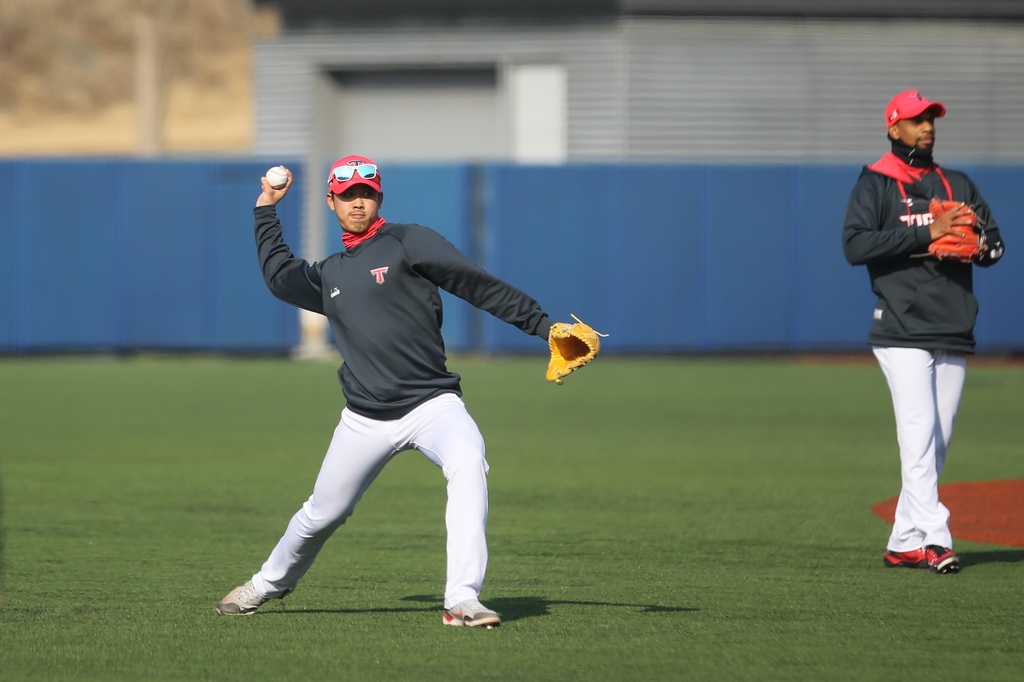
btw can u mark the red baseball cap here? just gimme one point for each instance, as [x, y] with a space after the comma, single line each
[910, 104]
[336, 182]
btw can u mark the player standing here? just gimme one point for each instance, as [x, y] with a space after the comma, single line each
[923, 325]
[381, 298]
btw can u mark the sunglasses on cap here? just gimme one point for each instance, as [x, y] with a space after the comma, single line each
[367, 171]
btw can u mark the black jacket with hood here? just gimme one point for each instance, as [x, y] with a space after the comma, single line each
[922, 302]
[381, 298]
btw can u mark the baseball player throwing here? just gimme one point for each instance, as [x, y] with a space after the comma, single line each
[381, 298]
[923, 325]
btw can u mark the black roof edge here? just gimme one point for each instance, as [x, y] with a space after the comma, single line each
[388, 11]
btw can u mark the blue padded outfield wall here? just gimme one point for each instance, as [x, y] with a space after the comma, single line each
[712, 258]
[137, 255]
[124, 255]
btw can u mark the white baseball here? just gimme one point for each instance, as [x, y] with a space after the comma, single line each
[277, 177]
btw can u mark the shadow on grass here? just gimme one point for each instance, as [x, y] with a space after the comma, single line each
[510, 608]
[516, 608]
[1000, 556]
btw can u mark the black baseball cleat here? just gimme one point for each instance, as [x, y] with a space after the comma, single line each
[942, 559]
[915, 558]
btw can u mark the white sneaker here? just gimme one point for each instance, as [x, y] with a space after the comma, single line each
[472, 614]
[241, 601]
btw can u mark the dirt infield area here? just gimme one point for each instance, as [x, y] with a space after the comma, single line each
[985, 511]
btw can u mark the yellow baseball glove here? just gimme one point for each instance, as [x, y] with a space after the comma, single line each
[572, 346]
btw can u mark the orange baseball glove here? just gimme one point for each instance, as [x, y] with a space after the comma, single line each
[967, 245]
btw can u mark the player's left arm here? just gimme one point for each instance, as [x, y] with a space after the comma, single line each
[438, 261]
[995, 246]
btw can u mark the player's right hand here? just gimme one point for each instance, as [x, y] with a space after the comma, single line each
[270, 196]
[957, 220]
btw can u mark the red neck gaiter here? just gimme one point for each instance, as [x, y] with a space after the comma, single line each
[350, 240]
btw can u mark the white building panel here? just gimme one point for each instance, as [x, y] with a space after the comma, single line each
[539, 113]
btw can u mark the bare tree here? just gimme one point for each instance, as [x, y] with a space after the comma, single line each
[69, 55]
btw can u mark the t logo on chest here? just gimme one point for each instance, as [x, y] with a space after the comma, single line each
[379, 274]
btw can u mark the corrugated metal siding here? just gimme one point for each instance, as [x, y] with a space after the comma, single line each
[284, 80]
[1007, 94]
[816, 89]
[699, 88]
[713, 89]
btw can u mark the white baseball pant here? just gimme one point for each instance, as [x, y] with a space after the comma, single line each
[441, 429]
[926, 387]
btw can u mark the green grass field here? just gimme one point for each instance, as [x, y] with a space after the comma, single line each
[652, 519]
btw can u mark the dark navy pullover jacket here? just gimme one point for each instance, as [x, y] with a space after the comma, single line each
[922, 302]
[381, 298]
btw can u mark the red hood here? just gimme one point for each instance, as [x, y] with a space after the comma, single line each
[893, 167]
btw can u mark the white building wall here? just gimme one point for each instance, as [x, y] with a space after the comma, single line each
[590, 55]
